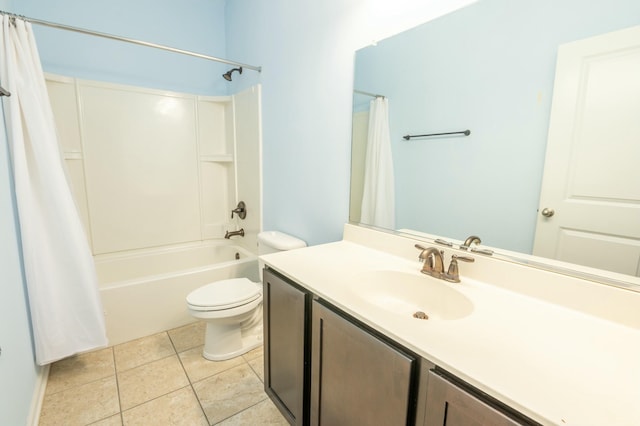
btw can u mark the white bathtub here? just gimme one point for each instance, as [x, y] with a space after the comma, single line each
[143, 291]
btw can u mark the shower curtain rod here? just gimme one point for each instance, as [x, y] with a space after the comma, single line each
[130, 40]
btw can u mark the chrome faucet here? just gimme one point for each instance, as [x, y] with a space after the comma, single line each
[471, 240]
[476, 241]
[434, 264]
[230, 234]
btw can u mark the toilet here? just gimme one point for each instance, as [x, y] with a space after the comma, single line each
[232, 308]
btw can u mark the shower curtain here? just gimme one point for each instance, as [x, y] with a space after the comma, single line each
[62, 287]
[378, 198]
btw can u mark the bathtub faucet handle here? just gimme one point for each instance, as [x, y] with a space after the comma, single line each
[241, 210]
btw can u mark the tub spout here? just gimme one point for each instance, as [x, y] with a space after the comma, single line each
[230, 234]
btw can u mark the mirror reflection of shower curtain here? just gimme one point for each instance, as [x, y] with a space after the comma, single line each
[378, 198]
[62, 287]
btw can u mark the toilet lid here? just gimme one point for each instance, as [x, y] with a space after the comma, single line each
[224, 294]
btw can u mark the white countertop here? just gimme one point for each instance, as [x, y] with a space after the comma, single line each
[554, 364]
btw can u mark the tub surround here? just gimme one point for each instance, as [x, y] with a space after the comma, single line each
[559, 349]
[155, 175]
[152, 168]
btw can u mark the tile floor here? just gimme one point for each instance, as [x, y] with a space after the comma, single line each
[158, 380]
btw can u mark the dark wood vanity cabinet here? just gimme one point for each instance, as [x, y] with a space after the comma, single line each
[286, 356]
[451, 404]
[358, 378]
[323, 367]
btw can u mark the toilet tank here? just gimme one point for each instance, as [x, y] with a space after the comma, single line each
[274, 241]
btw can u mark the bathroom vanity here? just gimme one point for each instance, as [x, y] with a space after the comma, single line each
[300, 327]
[508, 345]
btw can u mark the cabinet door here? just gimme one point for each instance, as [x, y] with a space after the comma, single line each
[450, 405]
[285, 308]
[357, 378]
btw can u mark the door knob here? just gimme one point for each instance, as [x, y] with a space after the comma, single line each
[546, 212]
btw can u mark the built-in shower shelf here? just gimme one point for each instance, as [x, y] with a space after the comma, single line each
[72, 155]
[222, 158]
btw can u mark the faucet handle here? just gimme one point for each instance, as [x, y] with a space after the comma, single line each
[443, 242]
[463, 258]
[453, 273]
[422, 249]
[241, 210]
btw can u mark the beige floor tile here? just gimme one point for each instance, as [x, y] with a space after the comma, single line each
[80, 369]
[153, 385]
[149, 381]
[188, 336]
[141, 351]
[109, 421]
[177, 408]
[257, 364]
[255, 353]
[263, 413]
[81, 405]
[229, 392]
[198, 367]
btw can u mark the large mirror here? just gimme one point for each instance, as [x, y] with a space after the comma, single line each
[488, 68]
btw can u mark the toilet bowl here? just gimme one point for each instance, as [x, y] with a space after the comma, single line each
[233, 312]
[232, 308]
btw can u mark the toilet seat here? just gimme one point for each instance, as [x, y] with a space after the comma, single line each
[224, 294]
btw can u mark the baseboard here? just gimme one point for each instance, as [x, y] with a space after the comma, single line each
[38, 396]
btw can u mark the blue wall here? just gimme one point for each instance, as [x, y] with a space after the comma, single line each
[488, 68]
[307, 50]
[305, 151]
[195, 25]
[18, 371]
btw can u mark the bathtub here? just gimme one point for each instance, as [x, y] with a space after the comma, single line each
[143, 291]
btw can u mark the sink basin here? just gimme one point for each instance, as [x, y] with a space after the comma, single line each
[406, 294]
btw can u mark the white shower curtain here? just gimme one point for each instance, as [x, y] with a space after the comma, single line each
[378, 199]
[65, 306]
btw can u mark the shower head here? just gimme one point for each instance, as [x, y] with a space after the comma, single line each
[227, 75]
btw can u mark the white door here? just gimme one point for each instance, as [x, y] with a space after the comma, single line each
[589, 210]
